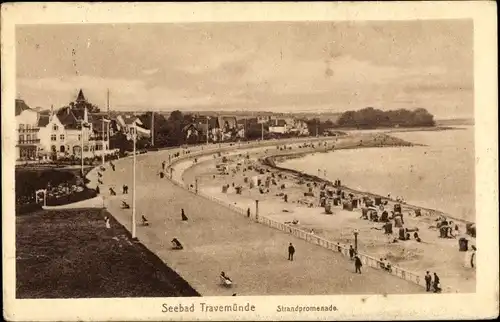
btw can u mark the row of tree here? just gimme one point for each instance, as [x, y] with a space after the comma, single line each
[168, 131]
[372, 118]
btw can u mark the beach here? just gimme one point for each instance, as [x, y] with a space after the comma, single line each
[435, 254]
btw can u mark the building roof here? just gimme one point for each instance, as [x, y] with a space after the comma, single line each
[229, 120]
[81, 97]
[130, 119]
[71, 117]
[43, 120]
[67, 118]
[21, 106]
[97, 124]
[279, 122]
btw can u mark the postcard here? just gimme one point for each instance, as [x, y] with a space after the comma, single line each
[249, 161]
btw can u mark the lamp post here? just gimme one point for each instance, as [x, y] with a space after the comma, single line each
[81, 147]
[207, 129]
[356, 232]
[256, 210]
[102, 137]
[133, 185]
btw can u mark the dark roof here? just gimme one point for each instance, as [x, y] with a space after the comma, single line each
[190, 125]
[213, 122]
[43, 120]
[229, 120]
[280, 122]
[21, 106]
[97, 125]
[81, 97]
[70, 118]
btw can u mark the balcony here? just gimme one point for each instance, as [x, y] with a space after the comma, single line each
[30, 130]
[29, 142]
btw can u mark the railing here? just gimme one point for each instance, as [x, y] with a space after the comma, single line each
[299, 233]
[33, 141]
[30, 130]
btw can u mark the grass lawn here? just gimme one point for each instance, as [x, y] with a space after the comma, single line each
[71, 254]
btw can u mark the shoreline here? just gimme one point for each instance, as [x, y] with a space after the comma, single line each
[272, 162]
[432, 254]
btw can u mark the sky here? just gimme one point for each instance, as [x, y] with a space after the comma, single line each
[254, 66]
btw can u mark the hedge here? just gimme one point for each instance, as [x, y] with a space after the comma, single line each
[71, 198]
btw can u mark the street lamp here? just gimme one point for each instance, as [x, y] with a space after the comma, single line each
[356, 232]
[256, 210]
[134, 136]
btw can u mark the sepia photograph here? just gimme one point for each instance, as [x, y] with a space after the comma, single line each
[181, 161]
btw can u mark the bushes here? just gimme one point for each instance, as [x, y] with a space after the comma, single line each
[371, 118]
[71, 198]
[28, 181]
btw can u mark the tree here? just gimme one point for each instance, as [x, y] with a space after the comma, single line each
[370, 118]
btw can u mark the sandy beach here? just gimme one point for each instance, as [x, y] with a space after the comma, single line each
[440, 255]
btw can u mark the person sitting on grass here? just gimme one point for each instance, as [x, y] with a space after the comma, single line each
[145, 222]
[176, 244]
[112, 192]
[183, 215]
[125, 205]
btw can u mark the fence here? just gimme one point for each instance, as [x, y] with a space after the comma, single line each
[299, 233]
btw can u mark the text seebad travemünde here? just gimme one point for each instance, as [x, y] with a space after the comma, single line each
[204, 307]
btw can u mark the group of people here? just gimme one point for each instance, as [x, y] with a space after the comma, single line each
[433, 285]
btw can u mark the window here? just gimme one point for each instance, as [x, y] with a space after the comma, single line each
[21, 138]
[53, 137]
[55, 127]
[62, 149]
[28, 137]
[21, 127]
[61, 137]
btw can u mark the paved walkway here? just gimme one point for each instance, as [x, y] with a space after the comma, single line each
[216, 239]
[96, 202]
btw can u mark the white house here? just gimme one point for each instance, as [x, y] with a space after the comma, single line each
[27, 124]
[278, 126]
[125, 124]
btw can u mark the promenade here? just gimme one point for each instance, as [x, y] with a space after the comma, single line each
[216, 239]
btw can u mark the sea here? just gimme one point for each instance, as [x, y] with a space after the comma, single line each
[439, 175]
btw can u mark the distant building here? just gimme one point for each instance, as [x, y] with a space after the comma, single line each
[278, 126]
[126, 124]
[61, 133]
[28, 128]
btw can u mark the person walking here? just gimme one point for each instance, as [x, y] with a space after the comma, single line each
[248, 212]
[163, 165]
[357, 264]
[428, 281]
[437, 285]
[351, 252]
[291, 251]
